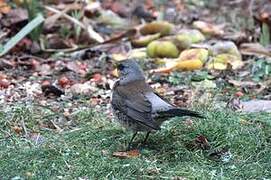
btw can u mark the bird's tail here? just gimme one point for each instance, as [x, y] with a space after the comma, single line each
[181, 112]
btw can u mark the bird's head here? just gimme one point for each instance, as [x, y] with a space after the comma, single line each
[129, 71]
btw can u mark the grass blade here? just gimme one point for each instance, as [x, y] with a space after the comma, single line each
[23, 32]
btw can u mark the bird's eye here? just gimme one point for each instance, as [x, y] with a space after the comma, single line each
[121, 67]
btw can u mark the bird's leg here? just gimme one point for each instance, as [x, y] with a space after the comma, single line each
[146, 137]
[130, 142]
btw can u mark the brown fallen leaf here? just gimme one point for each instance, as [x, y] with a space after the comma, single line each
[208, 28]
[254, 49]
[64, 81]
[97, 77]
[243, 83]
[162, 27]
[4, 83]
[78, 67]
[17, 129]
[202, 142]
[15, 16]
[4, 7]
[127, 154]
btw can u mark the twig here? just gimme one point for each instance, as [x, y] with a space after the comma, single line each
[92, 34]
[33, 57]
[50, 21]
[56, 126]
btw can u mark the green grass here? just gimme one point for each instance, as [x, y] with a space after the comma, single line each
[87, 151]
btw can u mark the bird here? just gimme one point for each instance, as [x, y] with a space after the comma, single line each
[136, 106]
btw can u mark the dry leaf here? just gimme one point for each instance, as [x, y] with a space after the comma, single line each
[4, 83]
[127, 154]
[97, 77]
[225, 47]
[162, 27]
[191, 59]
[138, 53]
[189, 65]
[225, 55]
[4, 7]
[16, 16]
[191, 54]
[254, 49]
[193, 35]
[243, 83]
[222, 62]
[209, 29]
[202, 142]
[188, 60]
[17, 129]
[64, 81]
[144, 40]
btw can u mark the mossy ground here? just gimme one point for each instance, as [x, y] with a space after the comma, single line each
[86, 152]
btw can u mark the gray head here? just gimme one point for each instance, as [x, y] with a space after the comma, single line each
[130, 71]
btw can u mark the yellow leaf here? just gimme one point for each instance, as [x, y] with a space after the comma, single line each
[199, 54]
[151, 49]
[182, 42]
[144, 40]
[162, 49]
[170, 65]
[137, 54]
[167, 49]
[217, 65]
[162, 27]
[222, 62]
[193, 35]
[189, 65]
[225, 47]
[207, 28]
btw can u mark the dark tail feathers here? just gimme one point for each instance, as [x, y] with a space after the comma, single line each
[181, 112]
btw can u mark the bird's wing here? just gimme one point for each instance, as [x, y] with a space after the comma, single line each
[163, 108]
[158, 103]
[135, 105]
